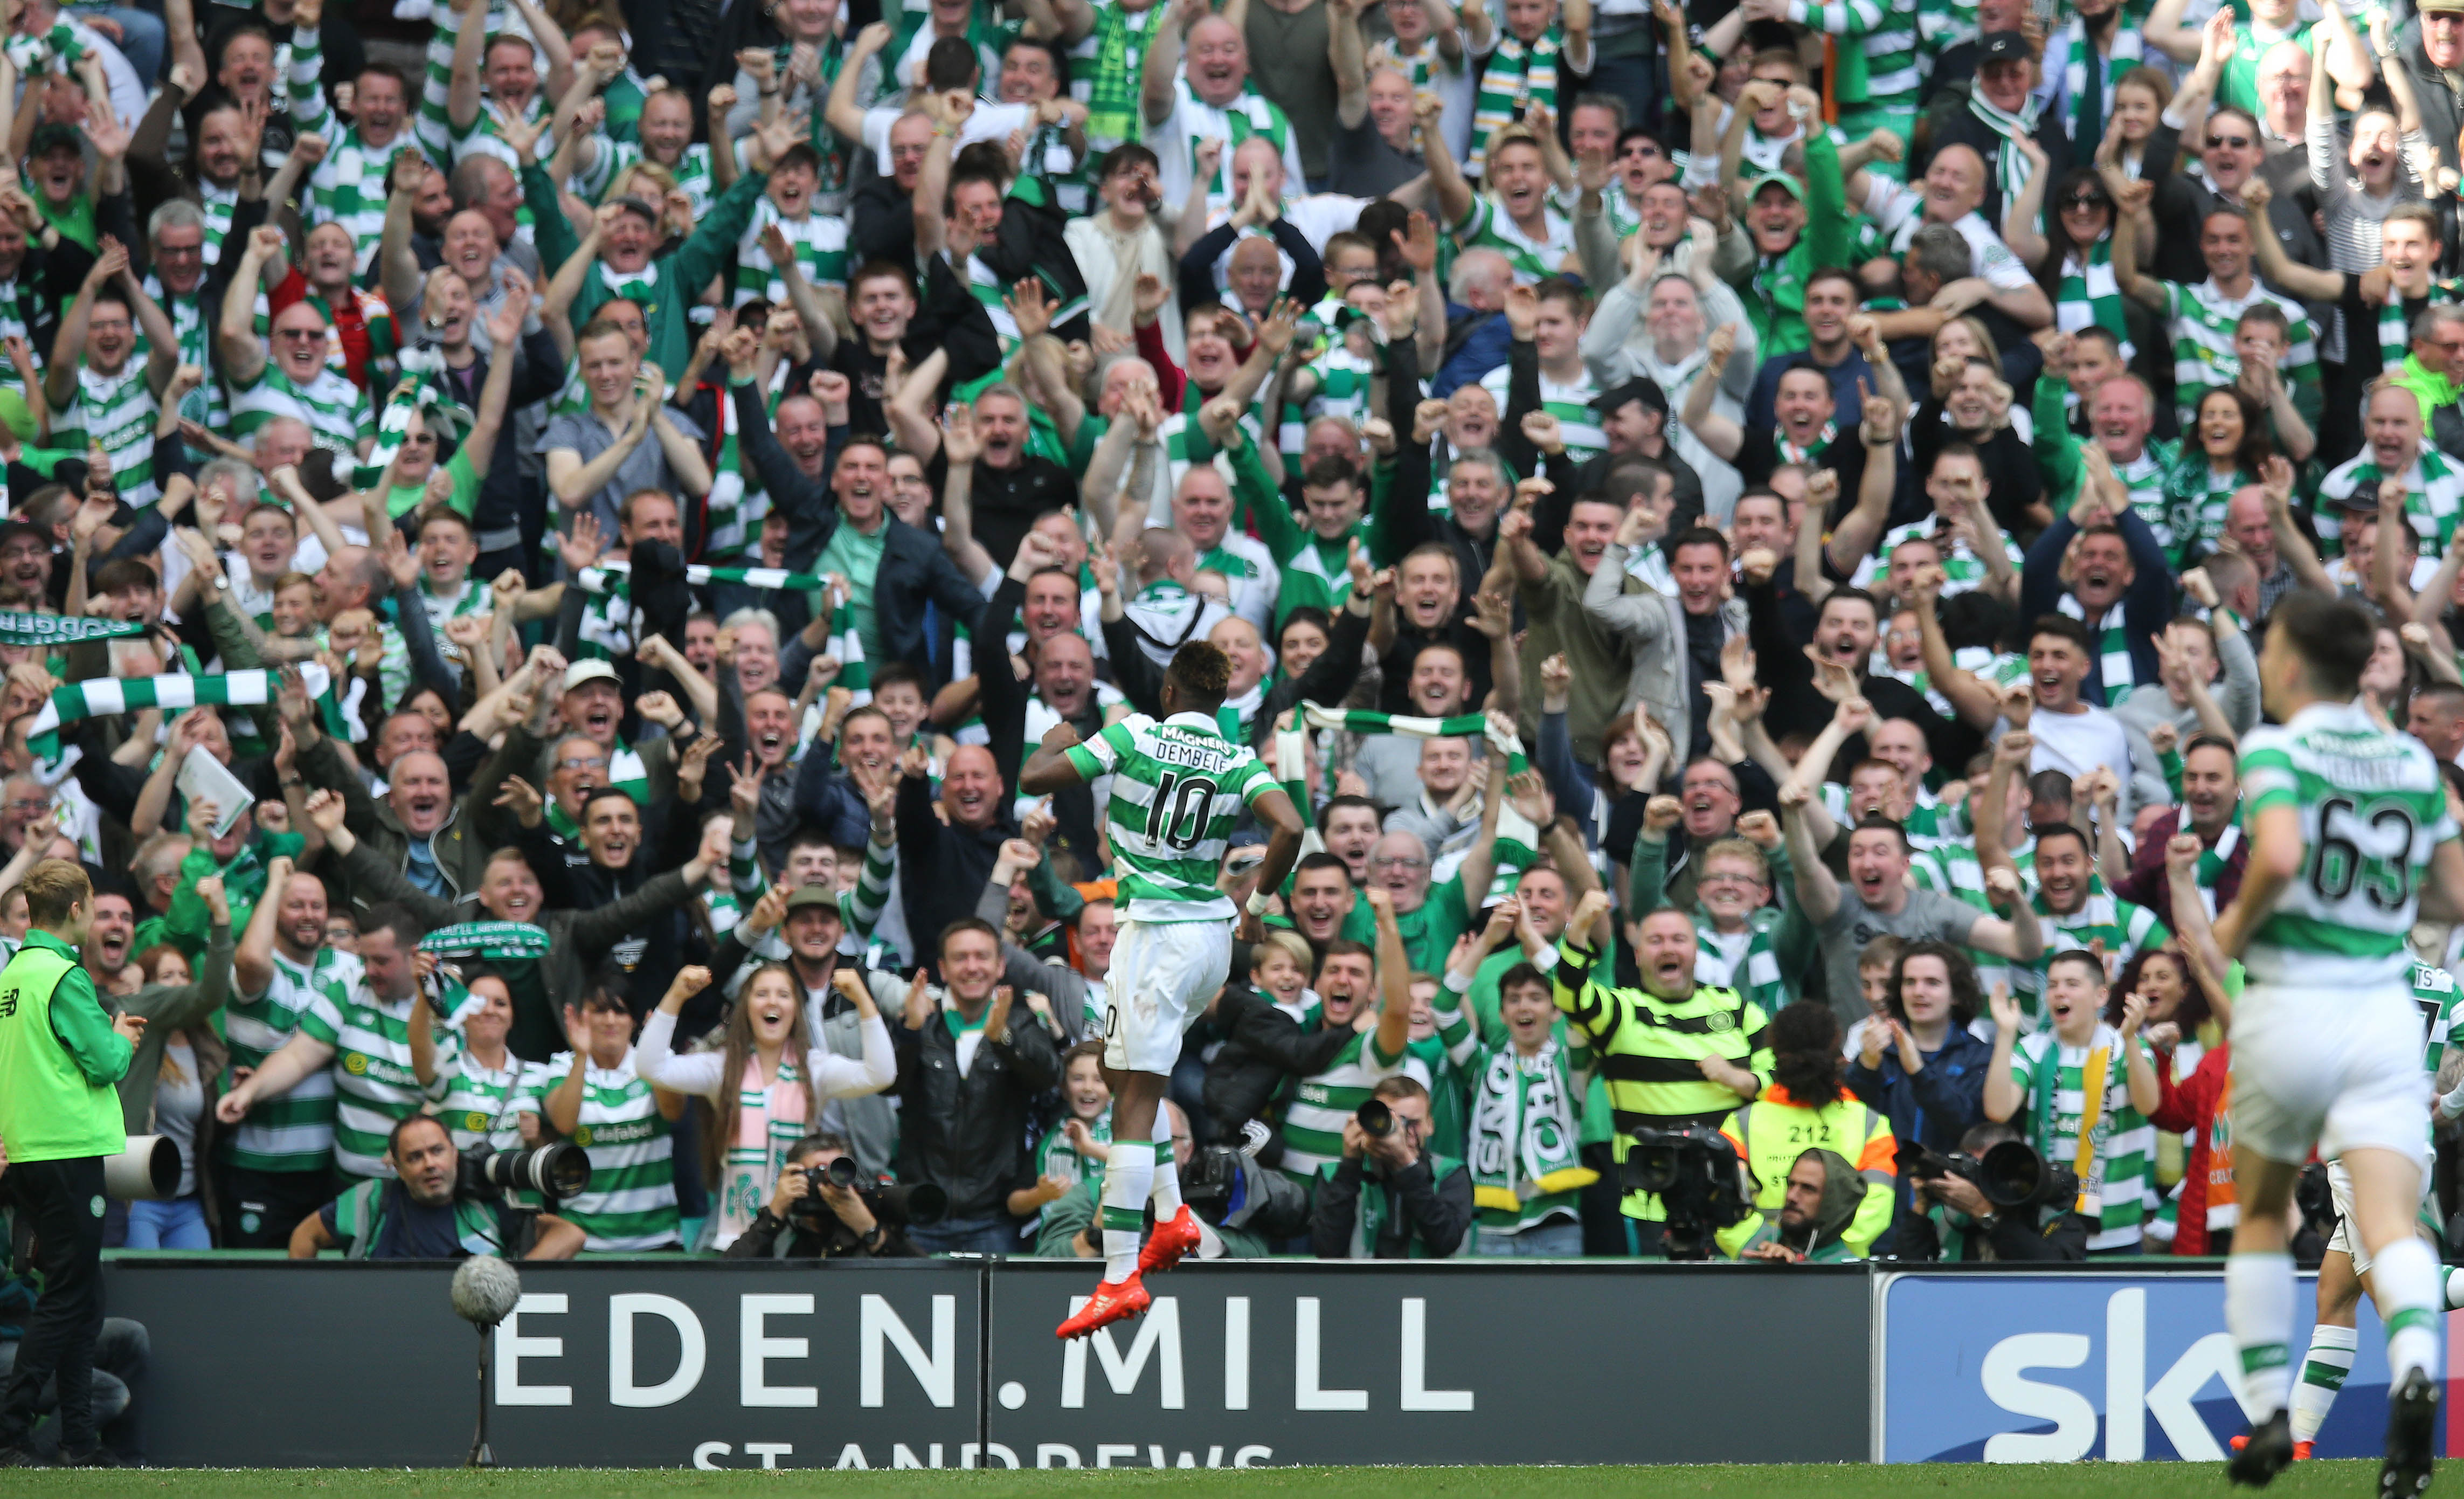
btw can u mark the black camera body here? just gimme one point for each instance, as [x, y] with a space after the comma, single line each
[1701, 1183]
[893, 1206]
[2012, 1175]
[1226, 1186]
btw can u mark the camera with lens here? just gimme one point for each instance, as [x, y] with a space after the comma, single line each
[522, 1184]
[1376, 1120]
[553, 1174]
[1698, 1179]
[1225, 1186]
[894, 1206]
[2011, 1174]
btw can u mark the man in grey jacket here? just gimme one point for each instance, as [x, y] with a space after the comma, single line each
[1677, 636]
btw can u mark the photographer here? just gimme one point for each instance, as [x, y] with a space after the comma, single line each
[810, 1217]
[1387, 1199]
[1953, 1221]
[425, 1212]
[1243, 1209]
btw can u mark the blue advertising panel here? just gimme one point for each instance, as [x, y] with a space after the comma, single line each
[2008, 1368]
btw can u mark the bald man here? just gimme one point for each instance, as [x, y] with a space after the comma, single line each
[1182, 109]
[943, 866]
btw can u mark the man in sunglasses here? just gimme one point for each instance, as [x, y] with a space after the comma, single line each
[2232, 156]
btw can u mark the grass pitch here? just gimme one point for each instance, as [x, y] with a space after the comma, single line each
[1968, 1481]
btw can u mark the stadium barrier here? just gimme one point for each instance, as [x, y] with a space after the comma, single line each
[952, 1363]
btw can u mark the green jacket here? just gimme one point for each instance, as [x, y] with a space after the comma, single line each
[1774, 293]
[682, 273]
[59, 1058]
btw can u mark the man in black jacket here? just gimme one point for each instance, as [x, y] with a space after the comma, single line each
[941, 865]
[1388, 1198]
[913, 570]
[968, 1080]
[1263, 1045]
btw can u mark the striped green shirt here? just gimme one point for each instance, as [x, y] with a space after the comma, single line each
[478, 1103]
[2123, 1187]
[1176, 790]
[1324, 1102]
[2090, 297]
[348, 186]
[1961, 568]
[2196, 498]
[818, 241]
[1569, 403]
[336, 411]
[2202, 320]
[117, 413]
[1487, 227]
[2434, 496]
[293, 1131]
[374, 1085]
[2123, 928]
[692, 170]
[1882, 69]
[2372, 808]
[632, 1205]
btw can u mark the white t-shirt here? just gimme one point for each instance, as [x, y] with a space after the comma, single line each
[989, 121]
[1900, 211]
[2076, 743]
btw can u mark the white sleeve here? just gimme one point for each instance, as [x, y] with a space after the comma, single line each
[655, 1059]
[876, 135]
[1995, 262]
[1891, 204]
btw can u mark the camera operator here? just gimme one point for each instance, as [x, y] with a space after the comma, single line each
[1387, 1199]
[426, 1211]
[1954, 1222]
[1243, 1209]
[1824, 1193]
[810, 1217]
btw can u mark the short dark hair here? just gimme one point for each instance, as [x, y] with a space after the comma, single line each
[407, 929]
[942, 944]
[2334, 638]
[1311, 863]
[602, 794]
[1326, 815]
[1699, 536]
[2050, 785]
[1850, 595]
[883, 270]
[1877, 820]
[2064, 830]
[1520, 976]
[404, 1126]
[2065, 628]
[1203, 674]
[2084, 959]
[951, 62]
[897, 673]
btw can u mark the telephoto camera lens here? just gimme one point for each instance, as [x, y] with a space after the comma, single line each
[559, 1171]
[842, 1172]
[1376, 1120]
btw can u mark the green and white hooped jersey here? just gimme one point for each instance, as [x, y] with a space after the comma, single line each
[1321, 1105]
[2126, 1193]
[293, 1131]
[1961, 569]
[348, 186]
[1343, 389]
[116, 413]
[1885, 35]
[1487, 227]
[632, 1205]
[1197, 122]
[2125, 930]
[692, 171]
[818, 241]
[2372, 808]
[2202, 320]
[1514, 77]
[1178, 788]
[374, 1085]
[1577, 424]
[478, 1103]
[12, 325]
[2434, 496]
[2435, 990]
[194, 329]
[336, 411]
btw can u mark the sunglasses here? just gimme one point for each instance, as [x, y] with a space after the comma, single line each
[2087, 200]
[2235, 142]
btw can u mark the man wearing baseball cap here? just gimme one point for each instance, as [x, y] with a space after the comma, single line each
[1998, 116]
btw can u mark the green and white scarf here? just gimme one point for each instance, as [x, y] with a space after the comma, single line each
[1523, 1138]
[493, 940]
[2127, 53]
[421, 391]
[109, 695]
[615, 578]
[2090, 297]
[61, 629]
[55, 51]
[1518, 839]
[2112, 647]
[2011, 168]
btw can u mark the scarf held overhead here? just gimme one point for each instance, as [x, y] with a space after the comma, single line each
[110, 695]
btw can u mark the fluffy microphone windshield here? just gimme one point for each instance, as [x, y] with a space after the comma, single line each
[485, 1290]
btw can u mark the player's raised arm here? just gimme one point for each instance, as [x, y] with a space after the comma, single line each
[1053, 767]
[1272, 807]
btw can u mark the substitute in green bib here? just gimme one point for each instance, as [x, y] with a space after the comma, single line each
[60, 1055]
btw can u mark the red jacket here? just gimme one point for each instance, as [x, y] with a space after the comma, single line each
[2197, 1104]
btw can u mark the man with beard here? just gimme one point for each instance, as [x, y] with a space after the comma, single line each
[2073, 913]
[276, 1162]
[414, 1210]
[1875, 900]
[542, 987]
[100, 394]
[941, 865]
[2212, 809]
[108, 943]
[1761, 950]
[1432, 913]
[1676, 1053]
[898, 572]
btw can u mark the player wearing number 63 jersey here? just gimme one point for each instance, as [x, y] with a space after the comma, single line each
[2348, 821]
[1178, 788]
